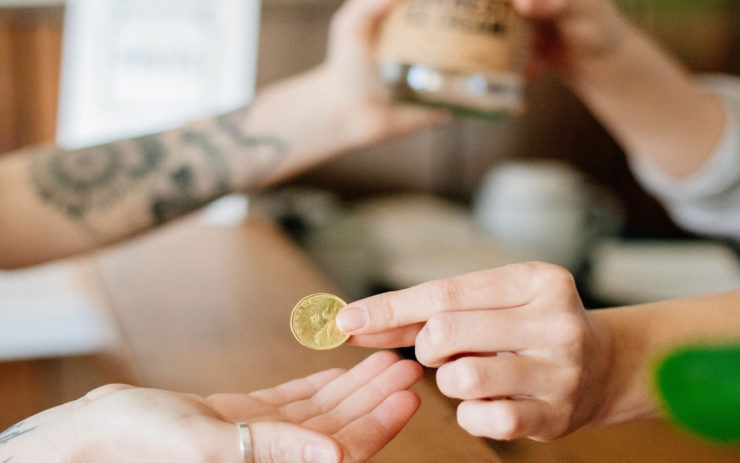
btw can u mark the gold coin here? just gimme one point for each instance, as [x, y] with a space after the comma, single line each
[313, 321]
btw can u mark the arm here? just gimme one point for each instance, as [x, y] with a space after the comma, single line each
[54, 202]
[646, 99]
[642, 334]
[517, 347]
[329, 417]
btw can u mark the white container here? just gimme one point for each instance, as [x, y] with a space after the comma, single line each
[543, 210]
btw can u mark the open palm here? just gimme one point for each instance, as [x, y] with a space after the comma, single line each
[334, 416]
[361, 409]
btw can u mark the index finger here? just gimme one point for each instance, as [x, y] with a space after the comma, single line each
[499, 288]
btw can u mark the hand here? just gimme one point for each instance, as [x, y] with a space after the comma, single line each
[570, 31]
[513, 343]
[331, 416]
[350, 71]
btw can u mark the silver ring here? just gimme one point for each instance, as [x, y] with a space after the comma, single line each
[245, 442]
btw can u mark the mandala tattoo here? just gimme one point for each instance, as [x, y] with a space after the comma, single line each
[183, 170]
[78, 182]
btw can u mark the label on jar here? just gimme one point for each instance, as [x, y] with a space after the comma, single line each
[480, 36]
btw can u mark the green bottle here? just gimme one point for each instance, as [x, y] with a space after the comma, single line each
[700, 389]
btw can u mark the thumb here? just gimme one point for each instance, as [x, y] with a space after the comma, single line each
[275, 442]
[360, 18]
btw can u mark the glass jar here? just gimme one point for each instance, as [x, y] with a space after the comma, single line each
[467, 55]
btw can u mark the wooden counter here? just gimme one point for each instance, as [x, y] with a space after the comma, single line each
[205, 309]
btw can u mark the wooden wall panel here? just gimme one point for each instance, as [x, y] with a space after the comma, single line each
[30, 57]
[7, 95]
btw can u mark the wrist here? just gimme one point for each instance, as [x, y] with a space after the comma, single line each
[316, 112]
[627, 390]
[359, 115]
[338, 103]
[615, 59]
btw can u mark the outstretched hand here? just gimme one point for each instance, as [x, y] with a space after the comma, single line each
[342, 416]
[513, 343]
[331, 416]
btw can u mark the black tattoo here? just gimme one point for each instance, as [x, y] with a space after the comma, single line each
[183, 192]
[78, 182]
[92, 180]
[232, 122]
[13, 432]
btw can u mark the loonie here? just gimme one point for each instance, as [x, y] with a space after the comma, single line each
[313, 321]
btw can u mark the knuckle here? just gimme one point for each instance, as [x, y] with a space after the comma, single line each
[533, 273]
[444, 380]
[560, 278]
[469, 379]
[389, 313]
[445, 294]
[535, 267]
[508, 424]
[572, 379]
[105, 390]
[437, 339]
[571, 331]
[545, 275]
[439, 331]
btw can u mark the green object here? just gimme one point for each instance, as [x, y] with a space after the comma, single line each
[700, 389]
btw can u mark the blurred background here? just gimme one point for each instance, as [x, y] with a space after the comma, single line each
[388, 216]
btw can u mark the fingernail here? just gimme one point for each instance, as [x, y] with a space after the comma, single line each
[317, 453]
[352, 319]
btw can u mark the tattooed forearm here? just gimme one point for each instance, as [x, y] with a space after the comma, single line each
[78, 183]
[181, 193]
[266, 164]
[233, 123]
[15, 431]
[169, 174]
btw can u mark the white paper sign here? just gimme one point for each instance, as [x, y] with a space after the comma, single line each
[132, 67]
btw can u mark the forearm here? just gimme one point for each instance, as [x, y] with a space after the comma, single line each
[641, 335]
[55, 202]
[650, 104]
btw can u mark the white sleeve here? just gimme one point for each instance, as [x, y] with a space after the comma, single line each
[708, 202]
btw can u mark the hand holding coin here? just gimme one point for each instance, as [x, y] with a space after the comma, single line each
[313, 321]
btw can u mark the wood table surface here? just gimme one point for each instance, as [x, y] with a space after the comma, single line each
[205, 309]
